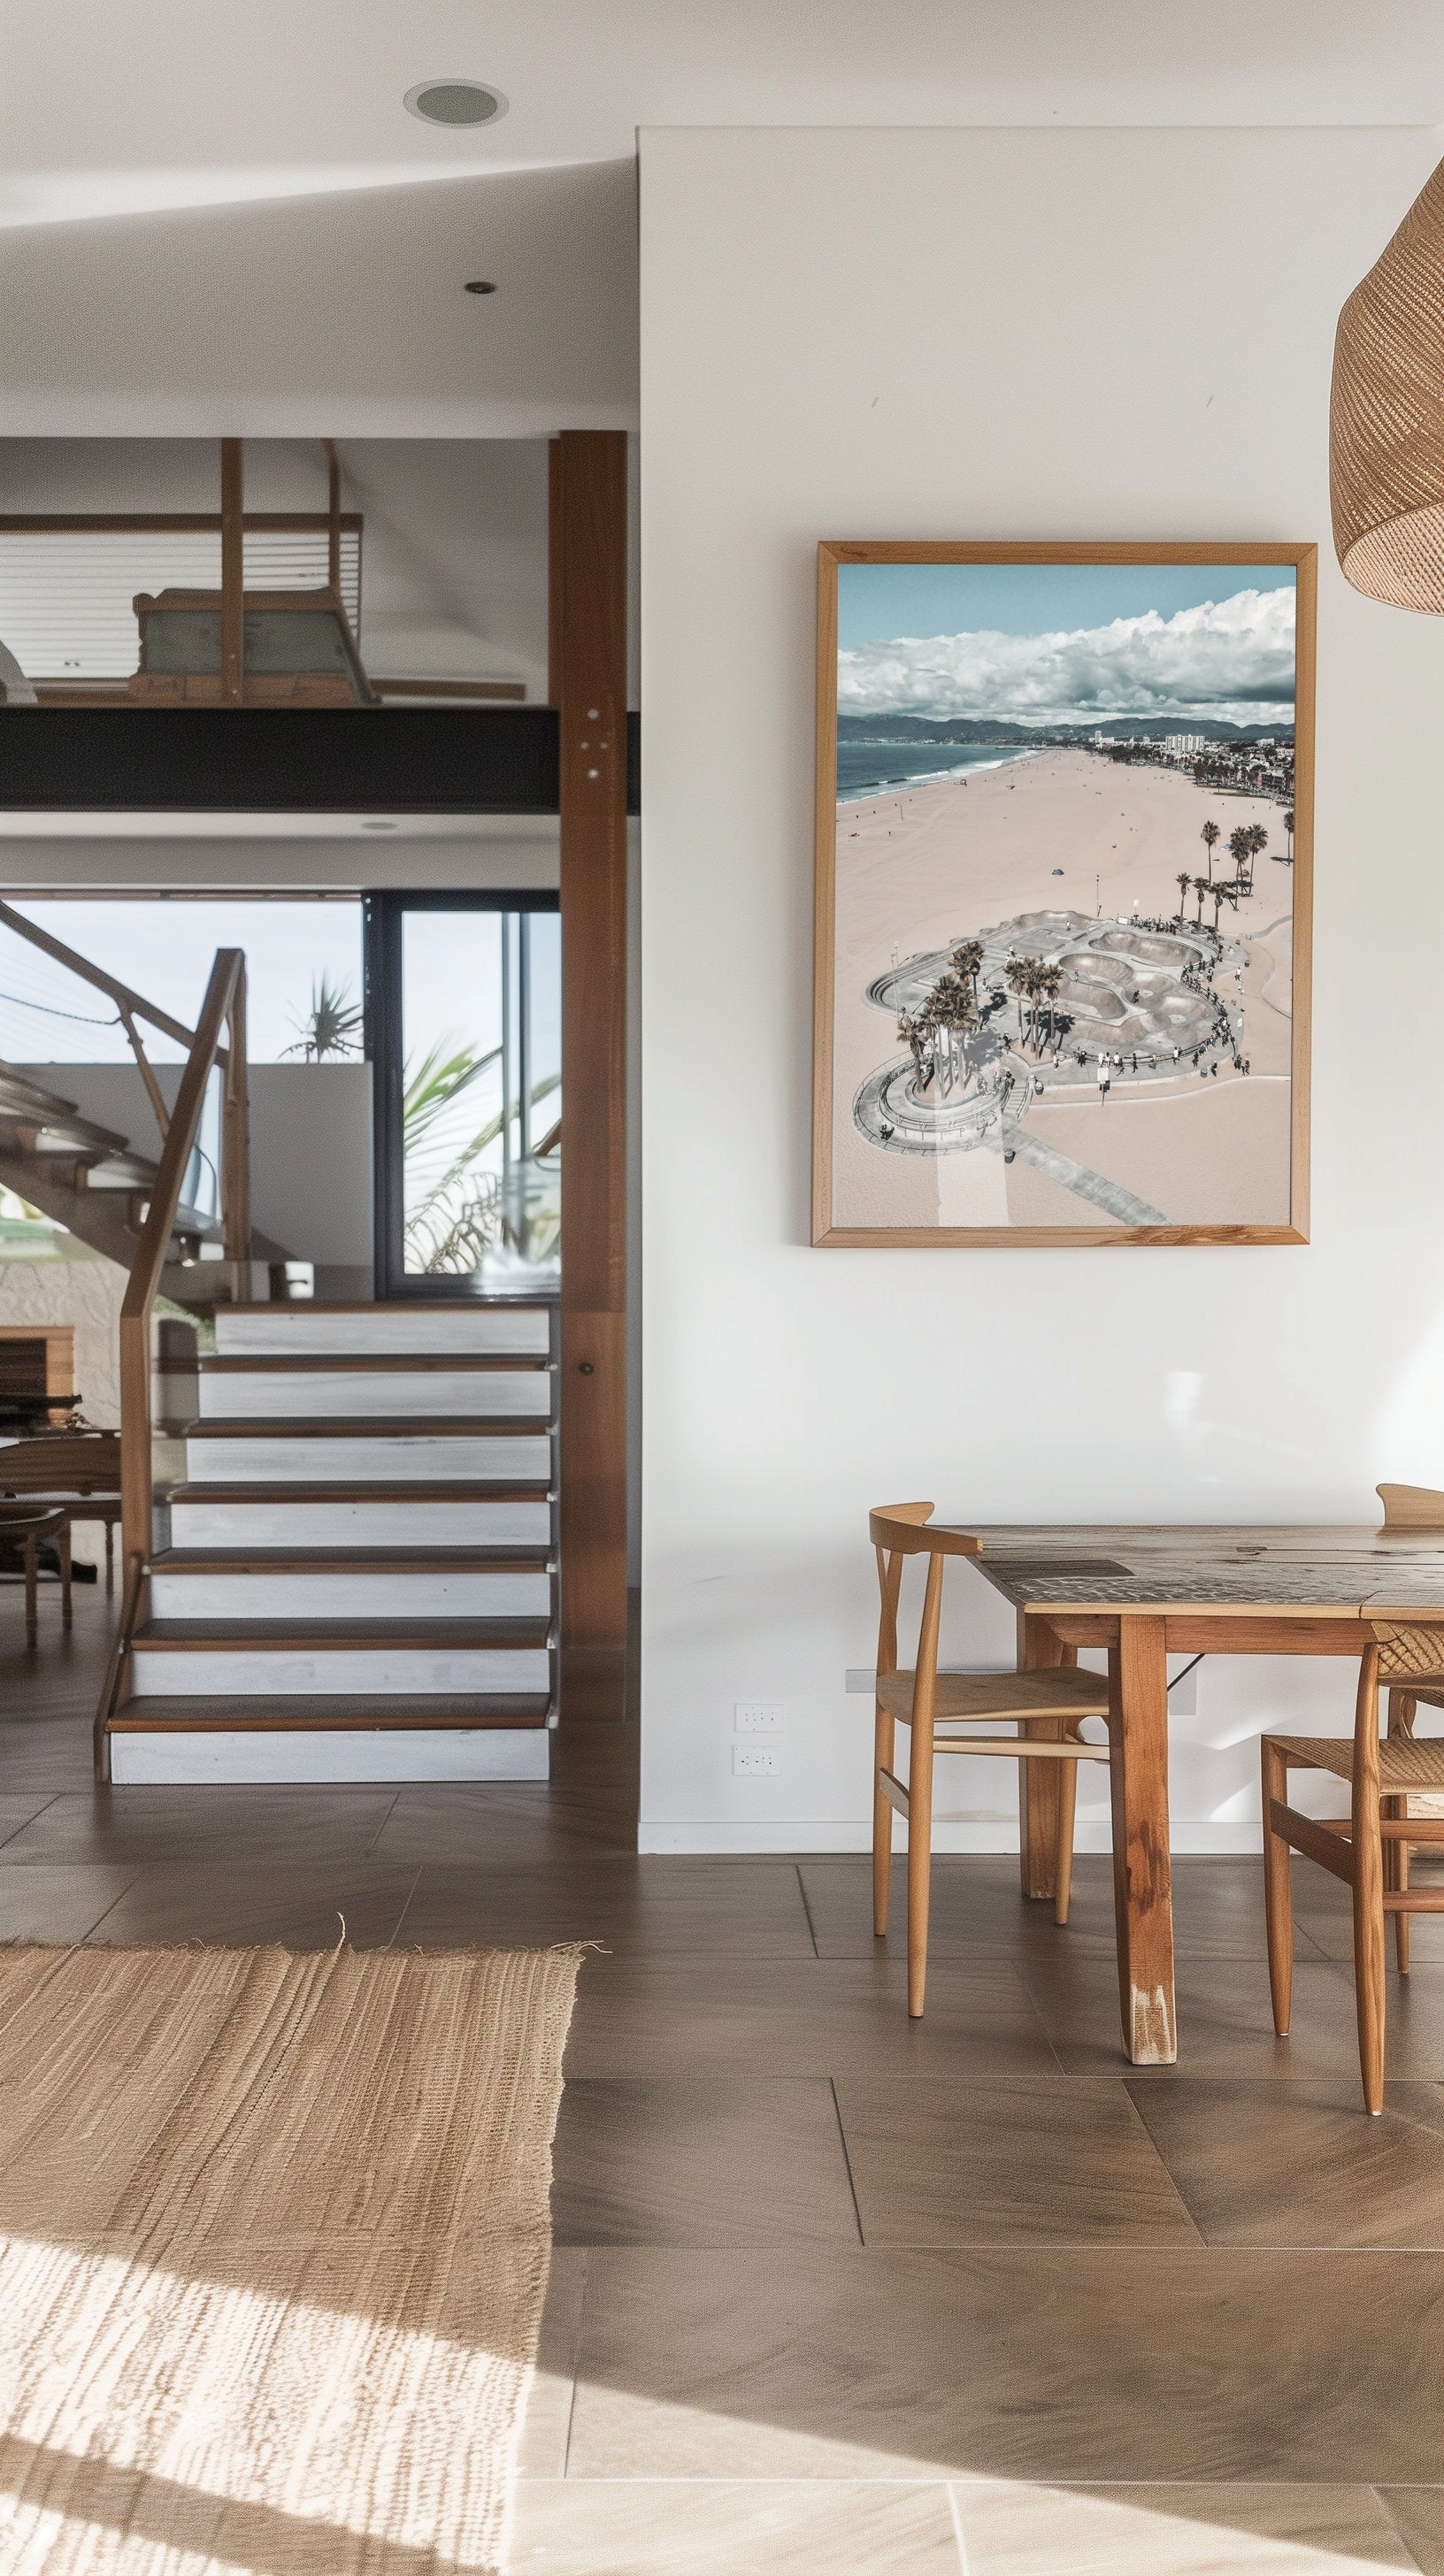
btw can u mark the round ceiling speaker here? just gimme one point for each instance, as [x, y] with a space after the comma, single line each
[455, 102]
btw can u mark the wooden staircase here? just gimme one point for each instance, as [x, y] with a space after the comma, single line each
[84, 1176]
[362, 1548]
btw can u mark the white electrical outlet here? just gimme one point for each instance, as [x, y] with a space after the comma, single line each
[749, 1759]
[758, 1716]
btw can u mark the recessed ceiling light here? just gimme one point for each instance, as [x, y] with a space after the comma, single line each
[455, 102]
[378, 827]
[481, 286]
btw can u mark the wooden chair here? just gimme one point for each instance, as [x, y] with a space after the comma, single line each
[1409, 1508]
[1368, 1848]
[927, 1701]
[25, 1530]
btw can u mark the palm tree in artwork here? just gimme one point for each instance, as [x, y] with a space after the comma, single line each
[911, 1033]
[1185, 883]
[1049, 983]
[1208, 836]
[1019, 980]
[968, 960]
[1240, 848]
[1289, 828]
[1200, 888]
[1258, 841]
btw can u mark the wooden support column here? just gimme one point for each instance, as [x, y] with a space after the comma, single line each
[233, 574]
[588, 666]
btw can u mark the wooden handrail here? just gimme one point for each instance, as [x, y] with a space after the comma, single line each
[171, 523]
[223, 1008]
[110, 1689]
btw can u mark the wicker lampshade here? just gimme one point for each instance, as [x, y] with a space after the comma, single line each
[1386, 425]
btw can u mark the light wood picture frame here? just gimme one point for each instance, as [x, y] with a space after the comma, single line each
[1063, 893]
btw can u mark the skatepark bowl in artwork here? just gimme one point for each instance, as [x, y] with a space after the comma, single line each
[1135, 1003]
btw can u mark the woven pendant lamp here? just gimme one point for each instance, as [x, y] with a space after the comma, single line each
[1386, 423]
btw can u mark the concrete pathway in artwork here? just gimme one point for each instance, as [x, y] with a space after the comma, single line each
[1114, 1201]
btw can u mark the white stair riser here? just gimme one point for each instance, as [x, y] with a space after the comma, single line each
[410, 1330]
[274, 1594]
[193, 1672]
[402, 1523]
[422, 1457]
[297, 1394]
[407, 1753]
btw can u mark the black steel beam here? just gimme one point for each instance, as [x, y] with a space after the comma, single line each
[311, 760]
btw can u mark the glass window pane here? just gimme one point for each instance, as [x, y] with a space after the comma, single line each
[481, 1022]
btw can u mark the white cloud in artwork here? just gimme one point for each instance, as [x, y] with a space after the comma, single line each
[1229, 658]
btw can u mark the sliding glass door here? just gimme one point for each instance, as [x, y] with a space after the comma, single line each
[464, 1026]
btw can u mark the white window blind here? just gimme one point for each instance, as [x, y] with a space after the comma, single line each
[66, 596]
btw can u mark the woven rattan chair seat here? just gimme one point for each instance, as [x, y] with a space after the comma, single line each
[1001, 1695]
[1405, 1762]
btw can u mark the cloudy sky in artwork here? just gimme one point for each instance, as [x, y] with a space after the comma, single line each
[1066, 644]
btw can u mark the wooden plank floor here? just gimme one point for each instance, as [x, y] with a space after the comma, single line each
[830, 2292]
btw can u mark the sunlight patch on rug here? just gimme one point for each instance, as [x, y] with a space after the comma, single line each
[275, 2242]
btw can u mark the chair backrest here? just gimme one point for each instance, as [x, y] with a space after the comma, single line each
[1411, 1507]
[1409, 1650]
[1400, 1651]
[907, 1529]
[897, 1531]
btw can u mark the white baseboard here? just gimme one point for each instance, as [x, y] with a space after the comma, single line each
[442, 1753]
[654, 1835]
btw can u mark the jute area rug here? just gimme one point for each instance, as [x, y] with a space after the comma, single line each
[273, 2246]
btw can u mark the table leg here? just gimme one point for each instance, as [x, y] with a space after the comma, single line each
[1039, 1651]
[1142, 1884]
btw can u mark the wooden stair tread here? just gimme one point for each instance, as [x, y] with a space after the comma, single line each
[267, 1635]
[351, 1560]
[304, 1714]
[532, 1305]
[369, 1363]
[464, 1489]
[370, 1426]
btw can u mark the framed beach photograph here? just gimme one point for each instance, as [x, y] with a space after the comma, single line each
[1064, 796]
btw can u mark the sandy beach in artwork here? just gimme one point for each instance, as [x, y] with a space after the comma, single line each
[921, 868]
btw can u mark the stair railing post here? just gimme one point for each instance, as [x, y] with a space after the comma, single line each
[236, 1138]
[137, 1472]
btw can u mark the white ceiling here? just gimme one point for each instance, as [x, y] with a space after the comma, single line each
[106, 110]
[223, 219]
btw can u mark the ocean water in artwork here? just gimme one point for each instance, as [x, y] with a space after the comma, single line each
[1064, 896]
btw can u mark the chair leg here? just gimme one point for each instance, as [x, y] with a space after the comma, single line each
[66, 1618]
[1278, 1891]
[1396, 1876]
[32, 1605]
[1063, 1870]
[109, 1552]
[920, 1864]
[1369, 1958]
[885, 1734]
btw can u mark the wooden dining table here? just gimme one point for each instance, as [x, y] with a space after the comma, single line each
[1144, 1594]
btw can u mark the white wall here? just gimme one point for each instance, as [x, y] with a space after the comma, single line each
[1071, 334]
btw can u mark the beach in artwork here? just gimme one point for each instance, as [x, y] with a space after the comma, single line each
[1060, 998]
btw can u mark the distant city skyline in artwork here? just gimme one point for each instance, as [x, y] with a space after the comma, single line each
[1063, 894]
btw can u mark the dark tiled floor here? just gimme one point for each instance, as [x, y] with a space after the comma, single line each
[833, 2291]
